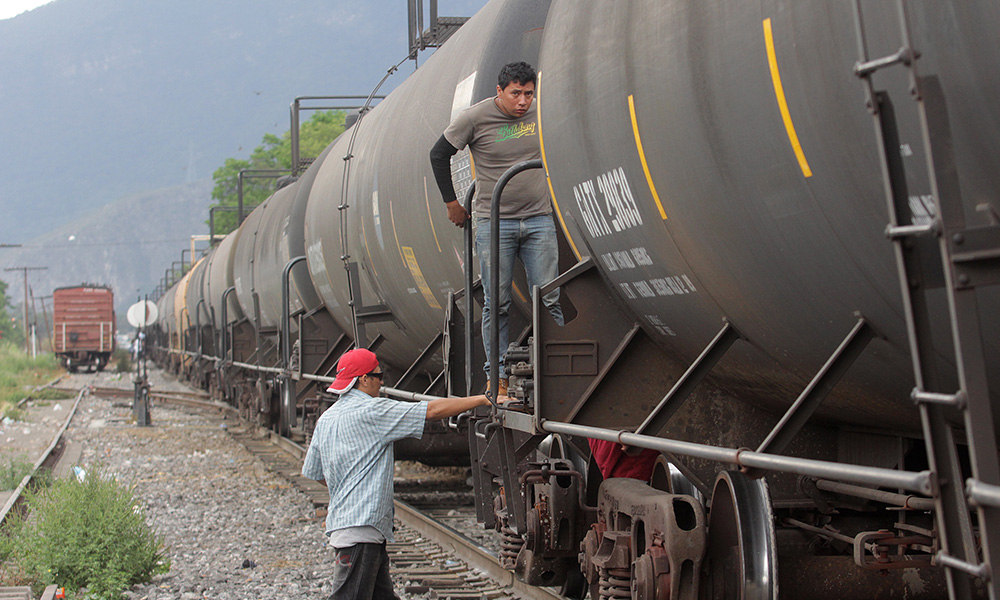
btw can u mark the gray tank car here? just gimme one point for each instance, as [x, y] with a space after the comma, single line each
[779, 230]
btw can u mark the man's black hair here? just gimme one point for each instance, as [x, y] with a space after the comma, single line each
[516, 72]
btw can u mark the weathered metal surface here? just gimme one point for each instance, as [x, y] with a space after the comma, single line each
[197, 310]
[260, 256]
[220, 278]
[83, 320]
[410, 255]
[672, 166]
[658, 536]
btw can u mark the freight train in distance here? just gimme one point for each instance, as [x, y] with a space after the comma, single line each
[779, 242]
[83, 326]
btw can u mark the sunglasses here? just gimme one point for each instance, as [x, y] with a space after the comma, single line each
[379, 375]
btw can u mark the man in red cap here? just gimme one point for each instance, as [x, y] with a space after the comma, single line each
[351, 449]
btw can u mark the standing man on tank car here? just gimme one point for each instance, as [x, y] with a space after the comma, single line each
[500, 132]
[352, 450]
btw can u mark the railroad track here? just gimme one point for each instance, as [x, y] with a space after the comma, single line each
[433, 557]
[50, 457]
[430, 553]
[190, 399]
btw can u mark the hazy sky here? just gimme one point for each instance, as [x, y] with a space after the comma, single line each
[10, 8]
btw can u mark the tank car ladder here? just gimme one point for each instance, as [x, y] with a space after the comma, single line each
[965, 258]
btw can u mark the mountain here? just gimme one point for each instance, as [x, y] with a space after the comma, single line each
[100, 99]
[115, 113]
[127, 244]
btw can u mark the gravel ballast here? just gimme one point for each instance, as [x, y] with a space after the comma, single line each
[233, 530]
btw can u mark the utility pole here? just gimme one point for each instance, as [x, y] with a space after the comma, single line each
[27, 336]
[34, 324]
[48, 329]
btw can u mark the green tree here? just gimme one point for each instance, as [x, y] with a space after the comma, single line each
[10, 329]
[274, 152]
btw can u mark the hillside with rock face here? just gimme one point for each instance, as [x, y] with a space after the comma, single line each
[126, 244]
[116, 113]
[102, 99]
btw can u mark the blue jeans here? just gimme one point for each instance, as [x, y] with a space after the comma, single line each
[533, 240]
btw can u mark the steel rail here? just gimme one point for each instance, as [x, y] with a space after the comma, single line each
[16, 494]
[469, 551]
[465, 549]
[180, 398]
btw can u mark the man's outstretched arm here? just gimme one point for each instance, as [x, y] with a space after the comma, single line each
[442, 408]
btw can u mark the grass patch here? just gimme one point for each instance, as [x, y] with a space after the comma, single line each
[12, 471]
[88, 534]
[19, 374]
[14, 468]
[15, 413]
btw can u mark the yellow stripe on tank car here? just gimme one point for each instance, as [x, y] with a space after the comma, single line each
[430, 217]
[779, 93]
[520, 294]
[642, 158]
[364, 236]
[392, 219]
[418, 277]
[552, 194]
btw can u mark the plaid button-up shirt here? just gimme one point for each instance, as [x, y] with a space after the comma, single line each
[352, 450]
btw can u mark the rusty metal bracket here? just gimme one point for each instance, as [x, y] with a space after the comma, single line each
[813, 395]
[675, 398]
[872, 550]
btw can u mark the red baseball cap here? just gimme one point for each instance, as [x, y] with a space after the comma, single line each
[353, 364]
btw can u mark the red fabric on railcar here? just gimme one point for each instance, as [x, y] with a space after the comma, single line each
[615, 462]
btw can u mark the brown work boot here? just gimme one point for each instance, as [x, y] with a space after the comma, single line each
[503, 386]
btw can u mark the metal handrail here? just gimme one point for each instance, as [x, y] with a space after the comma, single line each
[495, 269]
[259, 368]
[469, 334]
[286, 336]
[225, 324]
[921, 481]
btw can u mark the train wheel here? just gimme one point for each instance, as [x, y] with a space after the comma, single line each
[668, 478]
[286, 412]
[741, 561]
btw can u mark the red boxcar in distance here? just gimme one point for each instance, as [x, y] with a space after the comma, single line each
[84, 326]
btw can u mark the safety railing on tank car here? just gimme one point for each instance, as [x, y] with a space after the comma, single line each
[495, 265]
[389, 391]
[921, 482]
